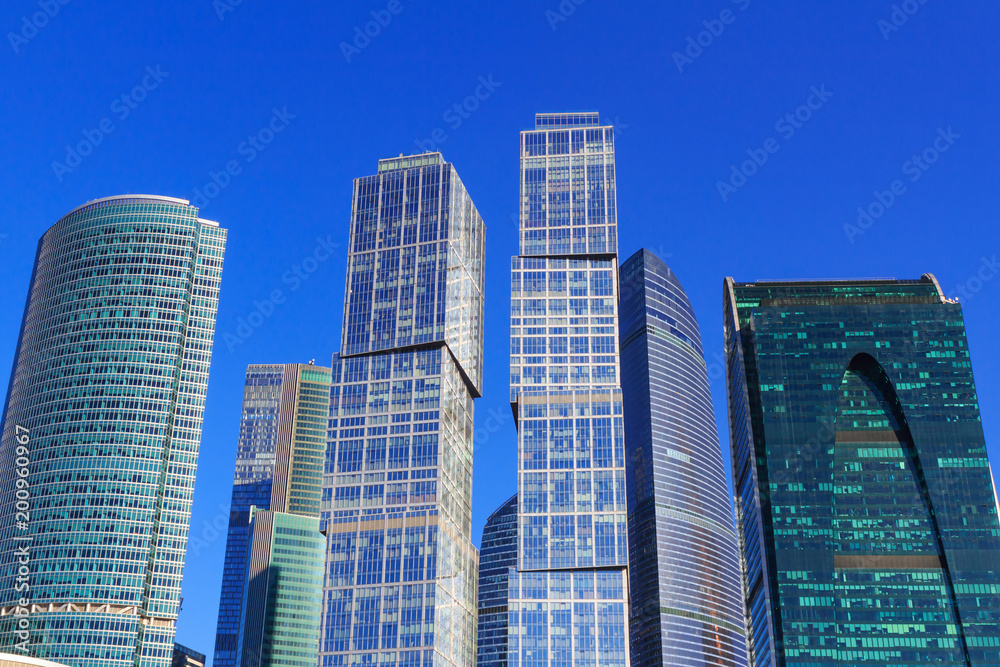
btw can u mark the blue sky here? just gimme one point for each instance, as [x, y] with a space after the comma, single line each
[696, 89]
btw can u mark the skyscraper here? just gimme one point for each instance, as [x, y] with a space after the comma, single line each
[568, 598]
[865, 506]
[687, 602]
[497, 555]
[276, 494]
[401, 567]
[251, 488]
[101, 431]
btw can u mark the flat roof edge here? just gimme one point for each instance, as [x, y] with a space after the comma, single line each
[172, 200]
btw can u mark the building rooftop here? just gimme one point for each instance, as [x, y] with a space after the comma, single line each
[558, 121]
[408, 161]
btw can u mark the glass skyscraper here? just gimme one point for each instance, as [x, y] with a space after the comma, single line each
[251, 488]
[568, 598]
[276, 486]
[687, 603]
[101, 431]
[866, 511]
[497, 555]
[401, 573]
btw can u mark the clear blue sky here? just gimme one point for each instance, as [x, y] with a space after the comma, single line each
[680, 133]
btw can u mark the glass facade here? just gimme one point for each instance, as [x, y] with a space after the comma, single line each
[866, 511]
[279, 467]
[103, 416]
[567, 402]
[251, 488]
[400, 583]
[684, 568]
[186, 657]
[284, 584]
[497, 555]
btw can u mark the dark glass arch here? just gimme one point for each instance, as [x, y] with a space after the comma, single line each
[893, 592]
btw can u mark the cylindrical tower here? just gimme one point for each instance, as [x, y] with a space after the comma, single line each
[101, 431]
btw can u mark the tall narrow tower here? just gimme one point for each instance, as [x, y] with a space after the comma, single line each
[276, 493]
[401, 568]
[684, 567]
[101, 431]
[568, 597]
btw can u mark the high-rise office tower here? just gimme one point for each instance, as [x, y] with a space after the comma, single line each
[401, 568]
[276, 493]
[497, 555]
[101, 431]
[865, 506]
[251, 488]
[684, 568]
[568, 598]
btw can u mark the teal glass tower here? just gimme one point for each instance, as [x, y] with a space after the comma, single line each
[401, 574]
[866, 509]
[568, 597]
[101, 431]
[687, 603]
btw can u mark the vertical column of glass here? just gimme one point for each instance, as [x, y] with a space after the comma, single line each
[251, 488]
[566, 397]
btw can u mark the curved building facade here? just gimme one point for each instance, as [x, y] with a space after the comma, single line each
[101, 431]
[687, 606]
[497, 555]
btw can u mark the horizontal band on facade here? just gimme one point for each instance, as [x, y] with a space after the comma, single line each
[887, 562]
[883, 435]
[576, 397]
[703, 618]
[89, 608]
[501, 609]
[675, 513]
[381, 524]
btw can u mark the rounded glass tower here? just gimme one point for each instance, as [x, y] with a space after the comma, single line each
[101, 430]
[687, 604]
